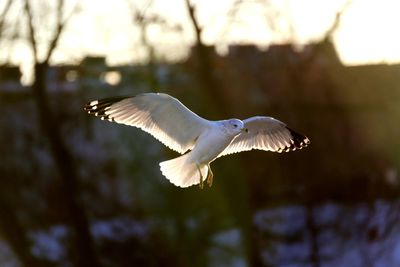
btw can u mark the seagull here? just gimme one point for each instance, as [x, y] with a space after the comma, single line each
[199, 141]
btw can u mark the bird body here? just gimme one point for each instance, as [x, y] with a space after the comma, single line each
[169, 121]
[214, 140]
[194, 167]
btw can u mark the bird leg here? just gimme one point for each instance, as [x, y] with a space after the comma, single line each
[201, 184]
[210, 176]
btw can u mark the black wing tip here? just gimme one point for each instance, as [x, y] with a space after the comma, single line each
[298, 141]
[99, 107]
[104, 102]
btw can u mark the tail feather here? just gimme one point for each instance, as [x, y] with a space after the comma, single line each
[182, 172]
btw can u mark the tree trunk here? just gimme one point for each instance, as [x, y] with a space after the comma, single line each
[83, 247]
[312, 228]
[208, 79]
[205, 69]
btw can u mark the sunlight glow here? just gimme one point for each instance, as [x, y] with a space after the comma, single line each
[366, 34]
[112, 77]
[369, 32]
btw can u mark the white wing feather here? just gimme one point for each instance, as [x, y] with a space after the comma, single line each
[160, 115]
[266, 133]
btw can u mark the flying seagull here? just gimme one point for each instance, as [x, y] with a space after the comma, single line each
[169, 121]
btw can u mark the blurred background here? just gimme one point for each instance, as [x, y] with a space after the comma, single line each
[78, 191]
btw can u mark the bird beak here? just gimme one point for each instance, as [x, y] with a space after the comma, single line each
[245, 130]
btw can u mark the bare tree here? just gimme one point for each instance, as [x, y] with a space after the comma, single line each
[142, 19]
[83, 247]
[277, 18]
[205, 65]
[10, 227]
[3, 14]
[336, 22]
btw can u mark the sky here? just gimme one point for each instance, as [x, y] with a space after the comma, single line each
[367, 32]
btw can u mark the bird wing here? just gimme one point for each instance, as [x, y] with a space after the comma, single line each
[160, 115]
[266, 133]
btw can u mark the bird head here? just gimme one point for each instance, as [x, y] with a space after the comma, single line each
[235, 126]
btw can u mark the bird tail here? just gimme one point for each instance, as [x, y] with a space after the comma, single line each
[182, 171]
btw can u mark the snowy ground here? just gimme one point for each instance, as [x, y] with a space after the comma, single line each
[351, 236]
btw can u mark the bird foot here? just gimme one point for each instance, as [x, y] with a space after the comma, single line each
[201, 183]
[210, 176]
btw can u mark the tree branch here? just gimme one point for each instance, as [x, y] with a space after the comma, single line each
[32, 38]
[83, 249]
[336, 22]
[3, 16]
[59, 28]
[197, 28]
[60, 25]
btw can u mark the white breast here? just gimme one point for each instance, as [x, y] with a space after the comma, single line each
[210, 145]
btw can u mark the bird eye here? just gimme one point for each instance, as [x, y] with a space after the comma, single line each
[235, 125]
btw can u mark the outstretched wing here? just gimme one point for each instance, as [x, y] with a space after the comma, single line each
[160, 115]
[266, 133]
